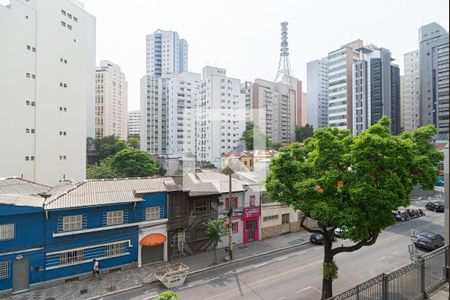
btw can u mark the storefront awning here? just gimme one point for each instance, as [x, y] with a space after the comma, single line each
[155, 239]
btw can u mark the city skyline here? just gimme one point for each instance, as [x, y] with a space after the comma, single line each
[213, 36]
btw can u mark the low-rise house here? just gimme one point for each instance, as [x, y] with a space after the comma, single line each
[118, 222]
[22, 247]
[191, 203]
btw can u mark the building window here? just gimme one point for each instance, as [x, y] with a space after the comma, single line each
[4, 269]
[114, 217]
[234, 202]
[269, 218]
[7, 232]
[285, 218]
[114, 249]
[201, 206]
[69, 27]
[63, 12]
[72, 223]
[75, 19]
[234, 227]
[63, 24]
[153, 213]
[71, 257]
[252, 200]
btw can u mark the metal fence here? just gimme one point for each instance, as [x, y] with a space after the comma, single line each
[414, 281]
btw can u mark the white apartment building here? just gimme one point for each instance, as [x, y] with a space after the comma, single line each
[340, 84]
[411, 91]
[182, 92]
[111, 101]
[47, 89]
[247, 90]
[166, 53]
[317, 84]
[134, 122]
[153, 138]
[220, 115]
[274, 109]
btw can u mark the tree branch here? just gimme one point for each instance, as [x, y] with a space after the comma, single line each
[302, 225]
[356, 246]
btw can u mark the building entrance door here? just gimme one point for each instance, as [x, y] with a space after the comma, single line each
[251, 228]
[20, 275]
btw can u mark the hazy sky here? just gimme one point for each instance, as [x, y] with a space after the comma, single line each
[243, 36]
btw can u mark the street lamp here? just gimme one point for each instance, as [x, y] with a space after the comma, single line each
[229, 172]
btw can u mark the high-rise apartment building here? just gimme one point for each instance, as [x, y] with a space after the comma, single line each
[153, 138]
[247, 90]
[182, 94]
[111, 101]
[300, 103]
[340, 84]
[376, 89]
[411, 91]
[166, 53]
[317, 83]
[220, 115]
[274, 109]
[134, 122]
[47, 89]
[434, 76]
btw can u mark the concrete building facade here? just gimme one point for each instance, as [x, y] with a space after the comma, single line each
[376, 89]
[166, 53]
[317, 84]
[411, 91]
[340, 85]
[134, 122]
[47, 99]
[434, 76]
[220, 115]
[111, 101]
[274, 110]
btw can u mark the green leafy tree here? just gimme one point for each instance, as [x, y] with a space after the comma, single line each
[133, 141]
[352, 183]
[303, 132]
[134, 163]
[168, 295]
[101, 170]
[251, 134]
[215, 229]
[109, 146]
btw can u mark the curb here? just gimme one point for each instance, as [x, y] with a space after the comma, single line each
[246, 258]
[206, 269]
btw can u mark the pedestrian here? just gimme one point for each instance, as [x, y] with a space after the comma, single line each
[96, 269]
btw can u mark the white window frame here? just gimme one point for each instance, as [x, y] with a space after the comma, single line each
[4, 269]
[114, 217]
[114, 249]
[7, 232]
[153, 213]
[71, 223]
[76, 256]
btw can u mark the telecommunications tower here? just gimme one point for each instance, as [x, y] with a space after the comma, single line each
[284, 67]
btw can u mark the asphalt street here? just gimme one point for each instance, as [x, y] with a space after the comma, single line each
[296, 273]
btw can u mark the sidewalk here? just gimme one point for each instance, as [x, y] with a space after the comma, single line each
[441, 294]
[88, 288]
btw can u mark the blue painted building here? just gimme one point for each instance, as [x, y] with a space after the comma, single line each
[117, 222]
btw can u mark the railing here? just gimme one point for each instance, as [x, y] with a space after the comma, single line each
[414, 281]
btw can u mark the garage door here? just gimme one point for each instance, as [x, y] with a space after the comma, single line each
[152, 254]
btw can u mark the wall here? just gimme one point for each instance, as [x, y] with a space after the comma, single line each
[271, 228]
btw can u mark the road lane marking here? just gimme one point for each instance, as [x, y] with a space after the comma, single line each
[302, 290]
[281, 258]
[212, 279]
[282, 298]
[260, 265]
[300, 253]
[383, 257]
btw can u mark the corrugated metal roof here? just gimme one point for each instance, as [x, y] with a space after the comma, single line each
[20, 186]
[22, 200]
[102, 192]
[220, 181]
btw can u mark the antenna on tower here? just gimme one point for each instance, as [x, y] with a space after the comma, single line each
[284, 67]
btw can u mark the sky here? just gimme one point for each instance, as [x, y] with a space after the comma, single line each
[243, 36]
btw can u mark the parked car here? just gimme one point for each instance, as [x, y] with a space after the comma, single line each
[429, 240]
[317, 238]
[435, 206]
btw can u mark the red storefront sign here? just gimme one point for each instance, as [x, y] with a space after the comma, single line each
[251, 212]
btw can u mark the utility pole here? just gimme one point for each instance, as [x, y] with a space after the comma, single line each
[230, 224]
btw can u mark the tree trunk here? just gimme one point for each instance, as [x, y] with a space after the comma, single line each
[327, 283]
[215, 255]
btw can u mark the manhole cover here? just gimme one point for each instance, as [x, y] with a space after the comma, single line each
[295, 242]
